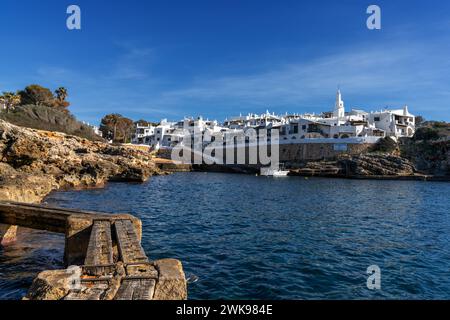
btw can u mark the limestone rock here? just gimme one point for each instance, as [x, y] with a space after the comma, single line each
[171, 284]
[33, 163]
[50, 285]
[363, 165]
[377, 164]
[7, 234]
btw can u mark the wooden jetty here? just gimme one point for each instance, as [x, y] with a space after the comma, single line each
[106, 248]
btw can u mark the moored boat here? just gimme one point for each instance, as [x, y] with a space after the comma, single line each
[273, 172]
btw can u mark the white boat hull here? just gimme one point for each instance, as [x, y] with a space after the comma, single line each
[269, 172]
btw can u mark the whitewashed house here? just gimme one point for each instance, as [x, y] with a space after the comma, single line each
[355, 126]
[339, 124]
[395, 123]
[141, 133]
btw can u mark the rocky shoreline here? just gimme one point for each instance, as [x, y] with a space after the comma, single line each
[33, 163]
[377, 166]
[407, 159]
[368, 166]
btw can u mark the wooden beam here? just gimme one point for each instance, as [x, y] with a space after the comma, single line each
[129, 246]
[90, 290]
[33, 217]
[136, 289]
[47, 207]
[100, 249]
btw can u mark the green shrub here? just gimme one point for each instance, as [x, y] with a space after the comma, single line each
[386, 144]
[426, 133]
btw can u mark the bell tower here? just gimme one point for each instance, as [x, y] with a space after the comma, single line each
[339, 110]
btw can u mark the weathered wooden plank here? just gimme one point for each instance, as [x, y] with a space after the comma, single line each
[43, 217]
[99, 270]
[100, 250]
[33, 217]
[144, 270]
[129, 246]
[90, 290]
[57, 209]
[136, 289]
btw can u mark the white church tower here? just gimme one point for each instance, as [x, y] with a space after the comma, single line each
[339, 110]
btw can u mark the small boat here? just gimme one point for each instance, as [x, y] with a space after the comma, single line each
[272, 172]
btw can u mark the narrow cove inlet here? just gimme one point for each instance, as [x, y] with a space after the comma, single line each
[249, 237]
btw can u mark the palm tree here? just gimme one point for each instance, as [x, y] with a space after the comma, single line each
[61, 94]
[9, 100]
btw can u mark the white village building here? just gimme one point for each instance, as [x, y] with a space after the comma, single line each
[339, 124]
[141, 133]
[94, 128]
[355, 126]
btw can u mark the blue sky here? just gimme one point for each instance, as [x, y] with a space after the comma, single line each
[216, 58]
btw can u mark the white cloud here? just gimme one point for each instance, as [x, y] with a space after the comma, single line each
[133, 64]
[373, 69]
[371, 75]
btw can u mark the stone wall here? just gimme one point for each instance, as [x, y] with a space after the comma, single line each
[297, 152]
[318, 151]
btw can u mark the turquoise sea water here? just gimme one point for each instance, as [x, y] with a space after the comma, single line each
[248, 237]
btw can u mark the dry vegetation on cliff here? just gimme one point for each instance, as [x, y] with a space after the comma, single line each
[429, 149]
[50, 119]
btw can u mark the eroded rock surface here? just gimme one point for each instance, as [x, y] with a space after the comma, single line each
[171, 284]
[376, 164]
[33, 163]
[166, 277]
[50, 285]
[364, 165]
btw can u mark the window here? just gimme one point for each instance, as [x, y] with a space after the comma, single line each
[376, 119]
[303, 127]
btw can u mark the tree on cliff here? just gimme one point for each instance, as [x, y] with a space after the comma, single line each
[145, 123]
[61, 95]
[40, 96]
[419, 120]
[10, 100]
[117, 128]
[37, 95]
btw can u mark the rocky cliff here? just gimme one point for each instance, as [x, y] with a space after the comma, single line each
[364, 165]
[407, 159]
[34, 162]
[430, 157]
